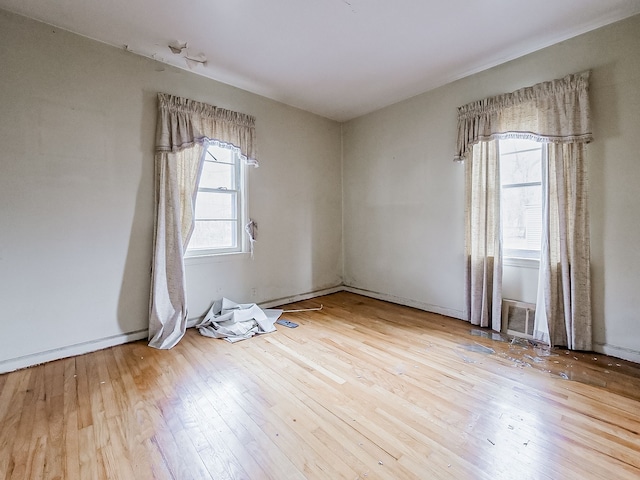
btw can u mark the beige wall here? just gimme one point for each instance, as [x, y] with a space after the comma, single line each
[404, 197]
[77, 128]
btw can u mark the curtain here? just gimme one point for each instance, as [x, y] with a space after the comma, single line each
[184, 128]
[556, 113]
[483, 242]
[563, 311]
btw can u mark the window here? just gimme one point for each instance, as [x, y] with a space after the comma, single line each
[521, 163]
[220, 203]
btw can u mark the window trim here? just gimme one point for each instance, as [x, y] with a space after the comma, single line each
[520, 262]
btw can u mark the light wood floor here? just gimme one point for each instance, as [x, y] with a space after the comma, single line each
[361, 389]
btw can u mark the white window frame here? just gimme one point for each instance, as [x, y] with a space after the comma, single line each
[516, 255]
[240, 190]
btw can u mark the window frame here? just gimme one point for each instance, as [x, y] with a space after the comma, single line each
[524, 254]
[240, 190]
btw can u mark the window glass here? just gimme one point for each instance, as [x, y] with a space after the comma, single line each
[521, 167]
[516, 145]
[217, 175]
[220, 204]
[216, 205]
[221, 154]
[213, 235]
[522, 217]
[521, 197]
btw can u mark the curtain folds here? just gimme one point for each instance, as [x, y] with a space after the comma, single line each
[483, 242]
[556, 113]
[183, 130]
[563, 313]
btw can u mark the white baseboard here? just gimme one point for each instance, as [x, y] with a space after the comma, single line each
[618, 352]
[70, 351]
[407, 302]
[301, 297]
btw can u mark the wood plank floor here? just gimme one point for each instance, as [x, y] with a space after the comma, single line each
[361, 389]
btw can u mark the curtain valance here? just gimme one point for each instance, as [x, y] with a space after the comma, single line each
[183, 123]
[556, 112]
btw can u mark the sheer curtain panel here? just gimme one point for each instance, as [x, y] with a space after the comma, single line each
[556, 113]
[183, 128]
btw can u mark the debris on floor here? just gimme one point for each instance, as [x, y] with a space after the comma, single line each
[286, 323]
[533, 359]
[464, 357]
[237, 321]
[477, 348]
[297, 310]
[498, 337]
[528, 353]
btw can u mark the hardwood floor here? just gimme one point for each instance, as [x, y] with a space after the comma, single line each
[361, 389]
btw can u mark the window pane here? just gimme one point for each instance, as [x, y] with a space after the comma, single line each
[220, 154]
[511, 145]
[216, 205]
[217, 175]
[213, 234]
[522, 217]
[521, 167]
[218, 208]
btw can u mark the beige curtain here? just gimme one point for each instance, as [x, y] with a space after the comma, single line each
[563, 313]
[556, 113]
[483, 239]
[183, 129]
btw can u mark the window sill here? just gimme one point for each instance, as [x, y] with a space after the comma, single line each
[521, 262]
[216, 258]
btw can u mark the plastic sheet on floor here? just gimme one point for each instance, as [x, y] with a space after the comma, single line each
[237, 321]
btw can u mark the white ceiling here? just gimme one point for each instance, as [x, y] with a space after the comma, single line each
[337, 58]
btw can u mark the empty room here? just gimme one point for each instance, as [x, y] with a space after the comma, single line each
[320, 239]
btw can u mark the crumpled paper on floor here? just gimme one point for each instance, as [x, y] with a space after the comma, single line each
[237, 321]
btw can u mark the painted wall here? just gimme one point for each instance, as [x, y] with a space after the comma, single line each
[76, 191]
[520, 280]
[404, 197]
[77, 129]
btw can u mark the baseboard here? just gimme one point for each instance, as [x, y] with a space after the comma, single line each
[25, 361]
[407, 302]
[301, 297]
[618, 352]
[283, 301]
[70, 351]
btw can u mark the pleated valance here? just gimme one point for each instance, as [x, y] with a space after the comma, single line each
[183, 123]
[556, 112]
